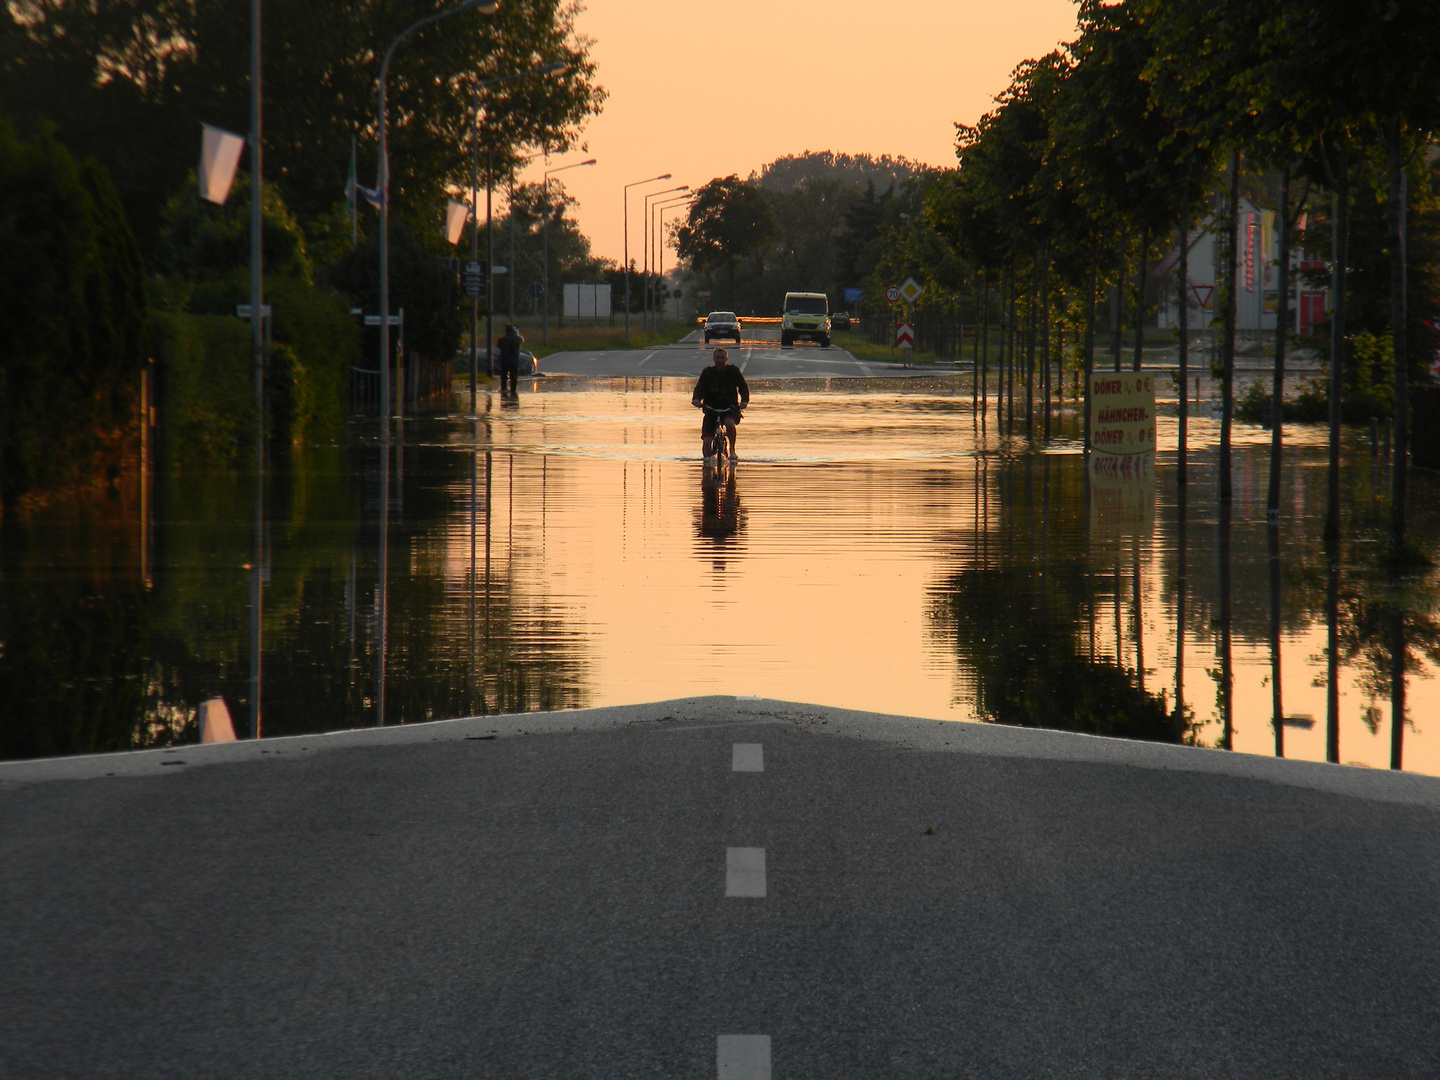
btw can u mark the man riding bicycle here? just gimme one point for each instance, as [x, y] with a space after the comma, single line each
[722, 392]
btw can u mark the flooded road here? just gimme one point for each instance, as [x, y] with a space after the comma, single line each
[873, 549]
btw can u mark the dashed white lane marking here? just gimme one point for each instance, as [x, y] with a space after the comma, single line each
[745, 871]
[647, 357]
[742, 1057]
[747, 757]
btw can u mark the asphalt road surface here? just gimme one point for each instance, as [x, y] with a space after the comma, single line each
[758, 355]
[721, 888]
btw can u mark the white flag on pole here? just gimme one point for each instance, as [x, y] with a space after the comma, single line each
[219, 155]
[456, 214]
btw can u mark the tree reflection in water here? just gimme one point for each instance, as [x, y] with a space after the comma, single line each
[1024, 614]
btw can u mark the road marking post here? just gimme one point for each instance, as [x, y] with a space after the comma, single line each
[742, 1057]
[747, 757]
[745, 871]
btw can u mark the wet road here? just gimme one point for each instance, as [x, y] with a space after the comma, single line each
[758, 355]
[626, 892]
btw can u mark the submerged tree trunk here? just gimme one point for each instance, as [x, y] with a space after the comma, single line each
[1140, 298]
[984, 348]
[1399, 464]
[1339, 253]
[1045, 342]
[1030, 348]
[1089, 357]
[1282, 325]
[1117, 308]
[1184, 327]
[1010, 373]
[1227, 355]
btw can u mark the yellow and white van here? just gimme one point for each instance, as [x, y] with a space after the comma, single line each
[806, 315]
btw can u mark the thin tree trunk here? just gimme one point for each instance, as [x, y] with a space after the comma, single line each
[1227, 355]
[1184, 318]
[1282, 321]
[984, 350]
[1140, 298]
[1398, 469]
[1117, 306]
[1010, 368]
[1339, 252]
[1045, 341]
[1030, 298]
[1089, 357]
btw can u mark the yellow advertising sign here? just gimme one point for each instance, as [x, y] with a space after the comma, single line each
[1122, 412]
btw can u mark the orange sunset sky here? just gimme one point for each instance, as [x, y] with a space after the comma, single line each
[702, 90]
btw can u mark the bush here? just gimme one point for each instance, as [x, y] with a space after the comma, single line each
[206, 392]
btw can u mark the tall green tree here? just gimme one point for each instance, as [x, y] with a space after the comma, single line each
[730, 220]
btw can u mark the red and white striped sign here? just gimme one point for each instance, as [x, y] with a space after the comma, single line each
[905, 335]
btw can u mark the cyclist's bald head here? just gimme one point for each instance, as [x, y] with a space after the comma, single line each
[721, 356]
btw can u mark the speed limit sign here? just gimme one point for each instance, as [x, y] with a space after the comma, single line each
[892, 293]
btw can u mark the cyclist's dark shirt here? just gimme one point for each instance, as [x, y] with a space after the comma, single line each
[721, 388]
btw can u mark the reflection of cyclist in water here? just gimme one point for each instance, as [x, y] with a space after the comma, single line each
[720, 387]
[719, 517]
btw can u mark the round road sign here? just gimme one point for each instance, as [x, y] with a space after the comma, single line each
[892, 293]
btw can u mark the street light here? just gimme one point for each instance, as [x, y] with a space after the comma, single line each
[626, 200]
[545, 266]
[475, 230]
[645, 258]
[488, 7]
[675, 205]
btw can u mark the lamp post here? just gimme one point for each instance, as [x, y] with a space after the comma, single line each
[475, 229]
[660, 272]
[488, 7]
[645, 257]
[657, 241]
[545, 264]
[257, 358]
[626, 230]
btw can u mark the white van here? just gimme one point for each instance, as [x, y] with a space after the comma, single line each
[806, 315]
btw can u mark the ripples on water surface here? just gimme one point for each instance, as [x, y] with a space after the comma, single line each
[870, 551]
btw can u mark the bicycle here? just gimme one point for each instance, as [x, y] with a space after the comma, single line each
[720, 446]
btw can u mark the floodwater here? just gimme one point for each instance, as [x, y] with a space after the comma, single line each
[875, 548]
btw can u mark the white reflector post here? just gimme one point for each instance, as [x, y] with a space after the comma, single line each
[456, 214]
[219, 155]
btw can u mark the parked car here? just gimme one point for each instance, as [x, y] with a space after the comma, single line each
[722, 324]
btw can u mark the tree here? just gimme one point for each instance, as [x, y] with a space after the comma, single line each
[729, 220]
[72, 297]
[130, 81]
